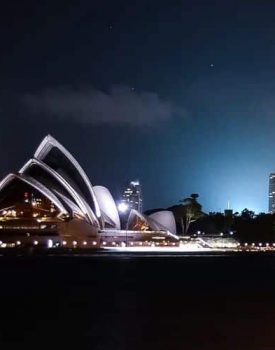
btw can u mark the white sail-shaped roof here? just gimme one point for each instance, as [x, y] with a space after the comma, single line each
[37, 186]
[74, 209]
[134, 214]
[51, 152]
[52, 179]
[163, 220]
[107, 206]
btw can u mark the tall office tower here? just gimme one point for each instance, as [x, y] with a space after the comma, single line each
[132, 196]
[271, 207]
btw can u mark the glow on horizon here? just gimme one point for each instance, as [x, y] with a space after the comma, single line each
[250, 206]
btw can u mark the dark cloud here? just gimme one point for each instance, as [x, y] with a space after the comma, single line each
[119, 105]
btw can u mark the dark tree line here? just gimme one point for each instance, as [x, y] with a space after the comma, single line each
[246, 226]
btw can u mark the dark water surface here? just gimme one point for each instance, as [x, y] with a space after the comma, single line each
[223, 302]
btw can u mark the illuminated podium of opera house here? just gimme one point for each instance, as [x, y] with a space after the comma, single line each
[51, 202]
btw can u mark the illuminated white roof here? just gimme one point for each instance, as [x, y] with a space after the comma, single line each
[133, 214]
[107, 206]
[163, 220]
[74, 208]
[156, 224]
[46, 146]
[36, 185]
[81, 203]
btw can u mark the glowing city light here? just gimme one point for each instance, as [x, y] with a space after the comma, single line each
[123, 207]
[159, 228]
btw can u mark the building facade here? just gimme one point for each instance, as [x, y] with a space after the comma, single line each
[271, 194]
[50, 202]
[132, 196]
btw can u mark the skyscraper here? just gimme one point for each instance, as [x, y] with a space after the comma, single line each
[271, 207]
[132, 195]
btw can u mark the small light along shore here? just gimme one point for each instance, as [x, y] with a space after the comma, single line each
[131, 252]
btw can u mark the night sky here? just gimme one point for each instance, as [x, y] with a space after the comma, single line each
[179, 94]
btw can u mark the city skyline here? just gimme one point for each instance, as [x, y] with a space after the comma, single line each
[179, 95]
[131, 195]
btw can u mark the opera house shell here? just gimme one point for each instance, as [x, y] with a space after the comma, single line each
[51, 202]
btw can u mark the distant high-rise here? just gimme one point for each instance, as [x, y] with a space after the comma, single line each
[132, 196]
[271, 207]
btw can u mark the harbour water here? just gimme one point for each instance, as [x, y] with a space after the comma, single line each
[138, 302]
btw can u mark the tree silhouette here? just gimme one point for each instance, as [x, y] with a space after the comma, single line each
[189, 211]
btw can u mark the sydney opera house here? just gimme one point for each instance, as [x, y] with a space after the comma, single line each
[51, 202]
